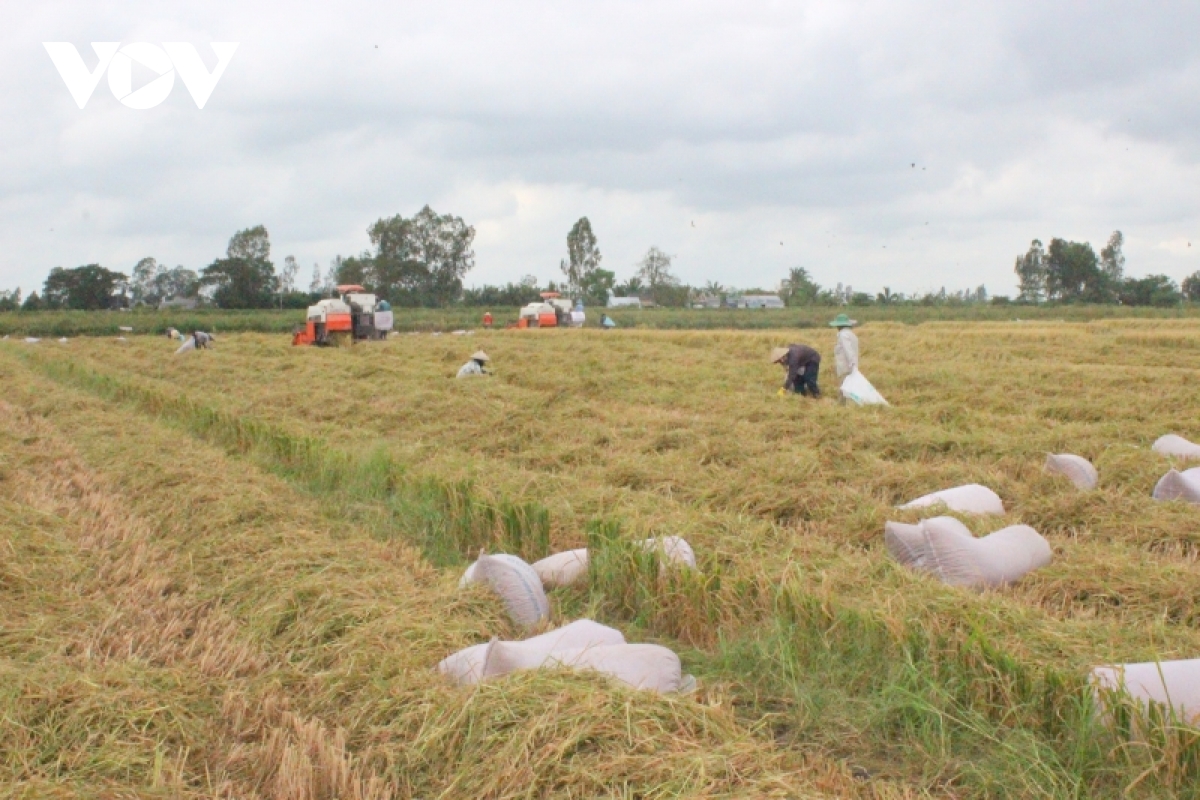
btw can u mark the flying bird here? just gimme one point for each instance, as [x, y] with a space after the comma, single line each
[914, 166]
[693, 223]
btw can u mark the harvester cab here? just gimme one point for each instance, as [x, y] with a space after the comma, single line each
[354, 315]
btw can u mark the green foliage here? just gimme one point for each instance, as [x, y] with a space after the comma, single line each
[1152, 290]
[418, 261]
[1191, 287]
[799, 289]
[596, 285]
[10, 300]
[1073, 273]
[152, 283]
[245, 278]
[509, 295]
[87, 288]
[1031, 274]
[583, 257]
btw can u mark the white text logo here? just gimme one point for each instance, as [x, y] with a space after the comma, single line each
[164, 61]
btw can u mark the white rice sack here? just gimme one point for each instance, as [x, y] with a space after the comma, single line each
[907, 543]
[998, 559]
[467, 666]
[515, 583]
[1172, 683]
[188, 345]
[32, 340]
[673, 549]
[857, 389]
[563, 569]
[642, 666]
[1077, 469]
[1177, 485]
[970, 499]
[1172, 445]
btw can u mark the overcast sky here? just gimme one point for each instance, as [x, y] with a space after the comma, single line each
[743, 137]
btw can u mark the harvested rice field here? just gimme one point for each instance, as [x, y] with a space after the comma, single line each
[231, 573]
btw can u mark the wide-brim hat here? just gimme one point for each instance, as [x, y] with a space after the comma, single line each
[479, 355]
[778, 354]
[843, 321]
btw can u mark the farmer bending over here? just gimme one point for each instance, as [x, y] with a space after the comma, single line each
[202, 339]
[802, 364]
[474, 366]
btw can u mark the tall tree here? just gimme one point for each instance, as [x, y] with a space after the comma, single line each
[245, 278]
[317, 282]
[1191, 287]
[799, 288]
[583, 256]
[654, 269]
[596, 286]
[89, 287]
[178, 282]
[420, 260]
[1073, 273]
[1112, 260]
[1031, 274]
[142, 284]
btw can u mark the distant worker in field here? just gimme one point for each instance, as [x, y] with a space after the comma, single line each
[174, 334]
[487, 319]
[845, 352]
[803, 364]
[475, 366]
[202, 339]
[606, 322]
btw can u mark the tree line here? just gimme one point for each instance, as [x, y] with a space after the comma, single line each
[1072, 272]
[420, 261]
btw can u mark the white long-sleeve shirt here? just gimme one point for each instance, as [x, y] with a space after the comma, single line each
[845, 352]
[470, 369]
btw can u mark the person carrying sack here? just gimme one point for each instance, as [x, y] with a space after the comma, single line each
[845, 352]
[803, 364]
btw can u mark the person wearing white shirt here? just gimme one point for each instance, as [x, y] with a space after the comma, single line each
[474, 366]
[845, 352]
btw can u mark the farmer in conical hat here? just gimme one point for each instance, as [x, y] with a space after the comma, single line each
[475, 365]
[802, 364]
[845, 352]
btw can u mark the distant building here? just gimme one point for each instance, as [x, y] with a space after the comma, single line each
[707, 301]
[186, 303]
[623, 302]
[762, 301]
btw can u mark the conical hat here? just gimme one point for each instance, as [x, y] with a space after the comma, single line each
[843, 321]
[778, 354]
[479, 355]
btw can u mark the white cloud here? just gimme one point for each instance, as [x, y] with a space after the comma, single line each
[760, 122]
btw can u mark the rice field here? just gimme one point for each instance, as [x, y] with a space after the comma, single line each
[230, 574]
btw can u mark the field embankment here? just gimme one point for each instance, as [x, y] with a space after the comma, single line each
[426, 320]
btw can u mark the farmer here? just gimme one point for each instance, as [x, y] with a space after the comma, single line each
[487, 319]
[202, 339]
[606, 322]
[845, 352]
[474, 366]
[803, 365]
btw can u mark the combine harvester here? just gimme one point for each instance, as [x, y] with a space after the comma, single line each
[340, 321]
[554, 311]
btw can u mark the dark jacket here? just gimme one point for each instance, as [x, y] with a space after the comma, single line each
[800, 358]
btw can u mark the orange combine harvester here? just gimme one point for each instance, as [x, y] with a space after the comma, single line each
[354, 315]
